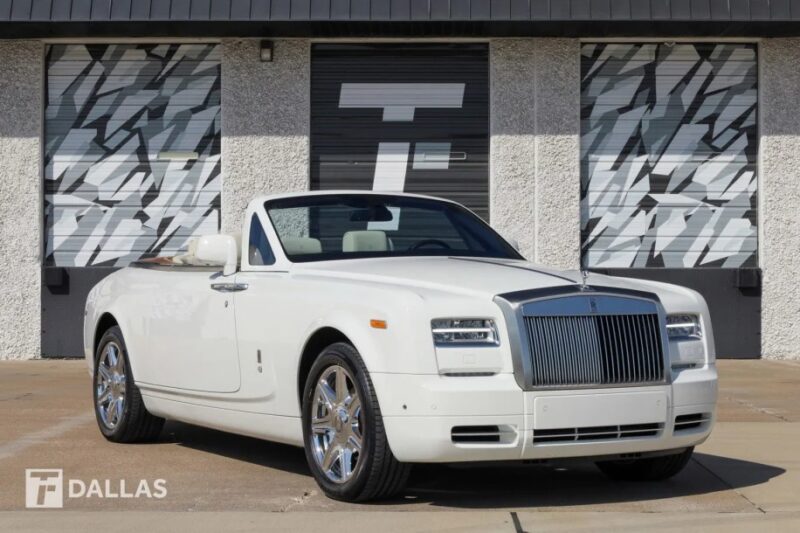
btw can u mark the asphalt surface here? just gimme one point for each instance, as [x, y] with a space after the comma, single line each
[746, 475]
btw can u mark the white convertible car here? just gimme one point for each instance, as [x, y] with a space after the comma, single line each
[382, 330]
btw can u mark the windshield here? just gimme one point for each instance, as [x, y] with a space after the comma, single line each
[348, 226]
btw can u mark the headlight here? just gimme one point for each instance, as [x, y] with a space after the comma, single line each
[684, 327]
[461, 331]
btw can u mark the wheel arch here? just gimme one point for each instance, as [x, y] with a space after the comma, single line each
[106, 321]
[316, 342]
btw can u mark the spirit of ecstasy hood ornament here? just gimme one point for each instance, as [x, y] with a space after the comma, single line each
[584, 278]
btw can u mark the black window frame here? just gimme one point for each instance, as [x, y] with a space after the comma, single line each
[256, 225]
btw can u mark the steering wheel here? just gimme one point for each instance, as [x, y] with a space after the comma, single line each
[430, 242]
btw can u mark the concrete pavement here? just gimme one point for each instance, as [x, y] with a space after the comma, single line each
[746, 475]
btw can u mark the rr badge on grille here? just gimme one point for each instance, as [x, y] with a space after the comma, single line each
[593, 305]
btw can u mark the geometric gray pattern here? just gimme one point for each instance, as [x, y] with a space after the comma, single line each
[132, 150]
[668, 155]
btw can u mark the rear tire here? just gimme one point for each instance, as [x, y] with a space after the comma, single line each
[647, 469]
[118, 405]
[347, 449]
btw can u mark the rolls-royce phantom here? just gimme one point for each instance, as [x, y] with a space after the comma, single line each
[378, 330]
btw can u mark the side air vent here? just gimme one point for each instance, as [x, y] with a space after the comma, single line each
[692, 421]
[595, 433]
[482, 434]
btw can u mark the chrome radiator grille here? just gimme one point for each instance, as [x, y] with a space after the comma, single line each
[608, 349]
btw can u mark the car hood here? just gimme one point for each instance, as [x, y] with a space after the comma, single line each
[451, 274]
[466, 275]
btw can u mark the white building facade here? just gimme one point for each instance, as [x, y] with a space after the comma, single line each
[608, 138]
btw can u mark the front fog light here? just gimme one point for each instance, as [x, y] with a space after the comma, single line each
[464, 331]
[684, 327]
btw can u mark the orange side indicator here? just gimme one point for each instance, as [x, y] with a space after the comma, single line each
[378, 324]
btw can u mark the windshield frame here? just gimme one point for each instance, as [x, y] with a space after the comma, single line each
[451, 208]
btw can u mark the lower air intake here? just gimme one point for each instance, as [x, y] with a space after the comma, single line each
[692, 421]
[596, 433]
[482, 434]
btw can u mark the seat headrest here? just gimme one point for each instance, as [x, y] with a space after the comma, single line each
[365, 241]
[302, 245]
[191, 248]
[187, 258]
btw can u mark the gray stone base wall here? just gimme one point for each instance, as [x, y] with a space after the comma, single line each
[20, 198]
[779, 192]
[265, 123]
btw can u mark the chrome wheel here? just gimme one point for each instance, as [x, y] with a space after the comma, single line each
[337, 424]
[110, 385]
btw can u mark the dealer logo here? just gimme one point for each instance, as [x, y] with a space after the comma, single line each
[44, 488]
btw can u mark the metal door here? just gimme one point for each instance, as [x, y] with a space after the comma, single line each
[132, 166]
[402, 117]
[669, 146]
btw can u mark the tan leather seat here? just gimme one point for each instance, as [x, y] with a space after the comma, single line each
[365, 241]
[187, 258]
[302, 245]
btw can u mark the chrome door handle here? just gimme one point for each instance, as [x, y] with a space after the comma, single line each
[229, 287]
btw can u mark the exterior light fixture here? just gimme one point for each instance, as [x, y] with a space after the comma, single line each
[265, 51]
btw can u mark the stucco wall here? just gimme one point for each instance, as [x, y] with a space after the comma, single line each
[20, 190]
[513, 146]
[535, 127]
[558, 85]
[779, 192]
[265, 121]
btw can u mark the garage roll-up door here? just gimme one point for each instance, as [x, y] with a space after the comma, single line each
[132, 159]
[669, 149]
[131, 166]
[402, 117]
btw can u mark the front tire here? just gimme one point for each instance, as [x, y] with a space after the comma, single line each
[118, 405]
[345, 441]
[647, 469]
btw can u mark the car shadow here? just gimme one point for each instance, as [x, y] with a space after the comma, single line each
[255, 451]
[571, 483]
[504, 485]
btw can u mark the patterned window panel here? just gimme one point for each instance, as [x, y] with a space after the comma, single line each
[668, 155]
[132, 156]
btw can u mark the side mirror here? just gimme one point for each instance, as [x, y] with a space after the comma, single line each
[218, 250]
